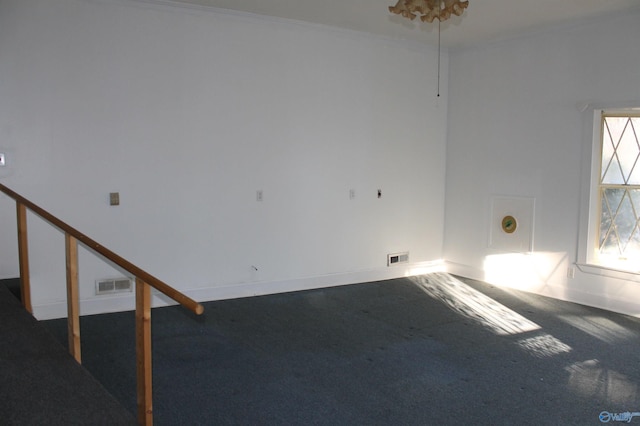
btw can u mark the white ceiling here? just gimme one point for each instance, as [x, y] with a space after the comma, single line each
[483, 21]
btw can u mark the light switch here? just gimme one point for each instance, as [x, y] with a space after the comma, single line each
[3, 160]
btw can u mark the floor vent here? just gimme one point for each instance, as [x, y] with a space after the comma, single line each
[394, 258]
[114, 285]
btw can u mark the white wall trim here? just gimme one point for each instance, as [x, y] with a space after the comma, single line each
[100, 305]
[609, 272]
[587, 254]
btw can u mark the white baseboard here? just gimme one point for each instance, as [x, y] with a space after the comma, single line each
[464, 271]
[107, 304]
[605, 299]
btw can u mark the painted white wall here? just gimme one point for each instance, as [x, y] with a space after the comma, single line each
[187, 112]
[515, 129]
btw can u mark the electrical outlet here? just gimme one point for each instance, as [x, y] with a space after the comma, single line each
[259, 195]
[352, 194]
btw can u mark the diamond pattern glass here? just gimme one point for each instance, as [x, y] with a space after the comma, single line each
[620, 187]
[621, 151]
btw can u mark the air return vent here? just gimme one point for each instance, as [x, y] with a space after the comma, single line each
[394, 258]
[113, 285]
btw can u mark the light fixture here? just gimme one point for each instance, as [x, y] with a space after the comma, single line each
[429, 9]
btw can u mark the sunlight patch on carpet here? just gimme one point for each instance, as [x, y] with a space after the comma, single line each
[471, 303]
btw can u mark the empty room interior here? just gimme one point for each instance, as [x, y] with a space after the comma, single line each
[387, 220]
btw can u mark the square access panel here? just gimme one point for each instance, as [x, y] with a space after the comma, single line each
[511, 228]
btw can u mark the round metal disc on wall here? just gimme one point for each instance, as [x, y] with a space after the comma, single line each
[509, 224]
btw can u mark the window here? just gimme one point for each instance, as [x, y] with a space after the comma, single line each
[617, 235]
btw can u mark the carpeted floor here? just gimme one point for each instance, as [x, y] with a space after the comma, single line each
[429, 350]
[40, 383]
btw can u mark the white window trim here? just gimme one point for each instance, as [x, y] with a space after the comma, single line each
[589, 196]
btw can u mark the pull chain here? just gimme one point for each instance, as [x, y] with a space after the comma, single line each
[438, 57]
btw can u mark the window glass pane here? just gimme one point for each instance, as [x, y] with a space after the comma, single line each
[609, 240]
[619, 222]
[634, 244]
[620, 151]
[625, 220]
[608, 149]
[634, 129]
[635, 199]
[614, 126]
[613, 175]
[605, 223]
[619, 189]
[627, 152]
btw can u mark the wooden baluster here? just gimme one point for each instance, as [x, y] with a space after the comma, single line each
[143, 294]
[23, 256]
[143, 352]
[73, 303]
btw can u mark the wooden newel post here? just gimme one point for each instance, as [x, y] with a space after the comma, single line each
[23, 256]
[73, 299]
[143, 352]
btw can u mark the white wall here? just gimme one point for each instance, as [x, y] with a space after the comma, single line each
[514, 129]
[187, 112]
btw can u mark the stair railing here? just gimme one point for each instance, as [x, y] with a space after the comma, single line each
[144, 282]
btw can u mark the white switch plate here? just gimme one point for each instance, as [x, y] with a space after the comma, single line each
[2, 159]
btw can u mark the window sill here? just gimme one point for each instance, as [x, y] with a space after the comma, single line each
[608, 272]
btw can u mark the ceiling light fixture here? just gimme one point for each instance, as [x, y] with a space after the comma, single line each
[428, 11]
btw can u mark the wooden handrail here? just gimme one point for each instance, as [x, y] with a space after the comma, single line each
[144, 282]
[154, 282]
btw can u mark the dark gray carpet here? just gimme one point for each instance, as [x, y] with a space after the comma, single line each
[40, 383]
[426, 351]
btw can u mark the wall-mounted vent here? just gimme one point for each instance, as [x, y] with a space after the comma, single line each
[113, 285]
[394, 258]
